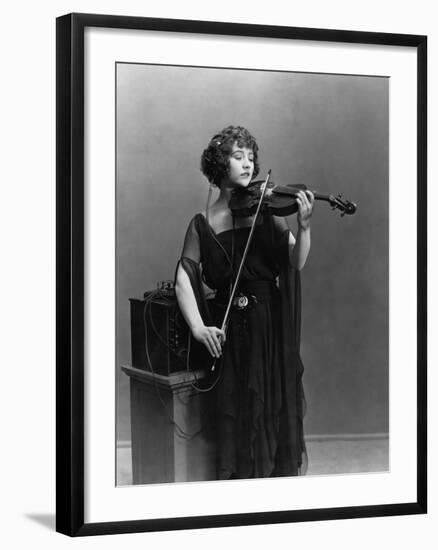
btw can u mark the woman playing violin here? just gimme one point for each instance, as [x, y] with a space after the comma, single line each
[259, 399]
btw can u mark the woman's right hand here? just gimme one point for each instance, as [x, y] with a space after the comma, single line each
[212, 337]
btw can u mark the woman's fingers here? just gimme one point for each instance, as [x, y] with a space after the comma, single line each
[310, 196]
[211, 347]
[213, 338]
[215, 344]
[209, 343]
[218, 334]
[301, 204]
[305, 200]
[219, 338]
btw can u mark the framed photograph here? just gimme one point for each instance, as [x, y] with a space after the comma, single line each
[241, 274]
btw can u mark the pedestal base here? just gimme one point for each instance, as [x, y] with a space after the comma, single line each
[171, 437]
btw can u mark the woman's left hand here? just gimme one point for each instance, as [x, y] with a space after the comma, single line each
[305, 200]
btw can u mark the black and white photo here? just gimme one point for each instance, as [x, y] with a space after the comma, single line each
[178, 164]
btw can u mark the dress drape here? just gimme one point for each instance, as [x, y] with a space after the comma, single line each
[259, 398]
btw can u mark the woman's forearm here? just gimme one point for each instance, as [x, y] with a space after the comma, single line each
[212, 337]
[300, 250]
[186, 300]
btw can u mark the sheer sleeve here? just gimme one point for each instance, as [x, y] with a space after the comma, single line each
[281, 228]
[191, 248]
[281, 233]
[190, 261]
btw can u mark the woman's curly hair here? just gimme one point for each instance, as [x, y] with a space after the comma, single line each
[215, 159]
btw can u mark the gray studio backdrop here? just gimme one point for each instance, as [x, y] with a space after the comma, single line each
[329, 132]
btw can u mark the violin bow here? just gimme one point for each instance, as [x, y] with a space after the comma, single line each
[242, 261]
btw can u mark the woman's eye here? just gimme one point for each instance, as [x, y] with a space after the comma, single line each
[240, 157]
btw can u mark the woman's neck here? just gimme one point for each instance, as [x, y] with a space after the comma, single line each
[224, 196]
[221, 204]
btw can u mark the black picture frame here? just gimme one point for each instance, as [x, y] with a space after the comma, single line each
[70, 272]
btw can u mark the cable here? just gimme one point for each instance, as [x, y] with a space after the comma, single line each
[196, 386]
[179, 431]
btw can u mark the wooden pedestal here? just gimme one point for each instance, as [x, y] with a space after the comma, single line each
[171, 439]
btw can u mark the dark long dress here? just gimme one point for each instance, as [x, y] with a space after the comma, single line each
[259, 397]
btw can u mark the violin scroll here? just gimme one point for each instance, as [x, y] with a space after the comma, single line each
[344, 205]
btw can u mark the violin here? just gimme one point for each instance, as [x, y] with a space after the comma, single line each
[280, 200]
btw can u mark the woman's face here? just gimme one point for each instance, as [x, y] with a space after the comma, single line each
[241, 166]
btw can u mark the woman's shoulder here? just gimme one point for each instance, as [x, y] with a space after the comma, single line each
[197, 223]
[195, 218]
[199, 218]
